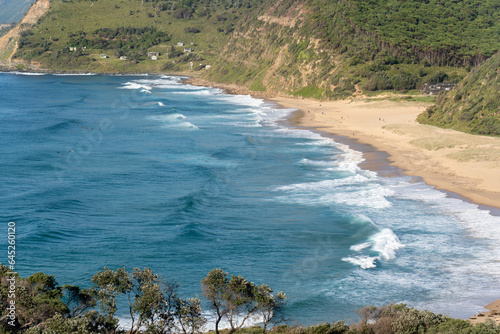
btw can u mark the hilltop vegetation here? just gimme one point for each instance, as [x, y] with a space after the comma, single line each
[312, 48]
[331, 49]
[474, 105]
[42, 306]
[74, 33]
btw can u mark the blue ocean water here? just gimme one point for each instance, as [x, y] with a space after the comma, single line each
[145, 171]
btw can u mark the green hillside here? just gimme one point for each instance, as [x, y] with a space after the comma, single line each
[13, 10]
[75, 33]
[474, 105]
[313, 48]
[331, 49]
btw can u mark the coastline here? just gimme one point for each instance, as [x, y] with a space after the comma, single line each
[382, 130]
[451, 161]
[460, 164]
[385, 145]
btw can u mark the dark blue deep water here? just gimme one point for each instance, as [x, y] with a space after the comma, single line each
[144, 171]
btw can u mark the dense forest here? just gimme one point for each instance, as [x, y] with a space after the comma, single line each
[153, 304]
[474, 105]
[332, 49]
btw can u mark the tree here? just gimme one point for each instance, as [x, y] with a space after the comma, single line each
[109, 284]
[237, 299]
[37, 299]
[214, 288]
[78, 300]
[189, 315]
[268, 304]
[153, 302]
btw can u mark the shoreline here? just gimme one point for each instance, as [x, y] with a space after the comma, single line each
[384, 143]
[461, 165]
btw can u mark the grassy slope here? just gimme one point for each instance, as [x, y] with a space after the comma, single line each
[474, 105]
[52, 35]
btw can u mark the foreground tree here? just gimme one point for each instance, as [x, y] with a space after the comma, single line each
[189, 315]
[153, 303]
[269, 305]
[237, 299]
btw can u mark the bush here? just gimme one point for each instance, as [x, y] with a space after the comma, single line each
[191, 30]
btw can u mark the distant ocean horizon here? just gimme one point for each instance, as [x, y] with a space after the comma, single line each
[146, 171]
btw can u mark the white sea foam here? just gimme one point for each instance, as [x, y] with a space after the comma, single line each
[325, 186]
[374, 197]
[74, 74]
[136, 85]
[125, 322]
[360, 247]
[363, 261]
[174, 121]
[479, 223]
[28, 73]
[385, 243]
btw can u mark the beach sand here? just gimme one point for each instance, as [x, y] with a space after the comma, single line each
[493, 314]
[468, 165]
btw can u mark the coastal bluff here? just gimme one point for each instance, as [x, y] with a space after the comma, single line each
[8, 42]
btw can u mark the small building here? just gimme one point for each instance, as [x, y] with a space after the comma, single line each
[123, 58]
[188, 50]
[180, 44]
[154, 58]
[104, 56]
[434, 88]
[153, 54]
[72, 48]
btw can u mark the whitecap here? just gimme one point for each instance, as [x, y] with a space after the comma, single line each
[28, 73]
[363, 261]
[73, 74]
[135, 85]
[385, 243]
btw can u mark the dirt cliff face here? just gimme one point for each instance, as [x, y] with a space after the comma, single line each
[8, 42]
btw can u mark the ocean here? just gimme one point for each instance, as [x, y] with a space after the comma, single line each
[146, 171]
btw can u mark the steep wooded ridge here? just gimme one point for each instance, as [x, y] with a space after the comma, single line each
[331, 49]
[324, 49]
[474, 105]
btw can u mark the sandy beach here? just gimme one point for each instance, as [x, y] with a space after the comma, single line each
[493, 314]
[468, 165]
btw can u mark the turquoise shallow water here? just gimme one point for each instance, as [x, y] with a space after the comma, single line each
[144, 171]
